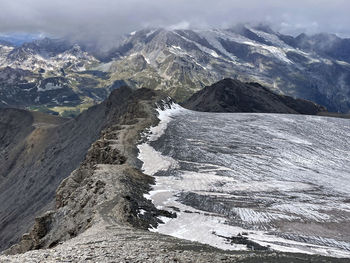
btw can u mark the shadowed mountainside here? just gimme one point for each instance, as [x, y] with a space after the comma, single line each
[38, 151]
[231, 95]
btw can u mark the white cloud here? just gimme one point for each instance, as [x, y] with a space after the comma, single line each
[106, 19]
[181, 25]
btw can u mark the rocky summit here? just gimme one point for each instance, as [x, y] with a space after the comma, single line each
[231, 95]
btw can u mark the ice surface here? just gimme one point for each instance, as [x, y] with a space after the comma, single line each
[283, 179]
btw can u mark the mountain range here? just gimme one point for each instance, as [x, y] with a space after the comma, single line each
[61, 77]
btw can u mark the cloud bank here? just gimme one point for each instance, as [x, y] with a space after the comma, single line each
[108, 19]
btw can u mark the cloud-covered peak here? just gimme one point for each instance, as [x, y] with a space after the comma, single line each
[105, 20]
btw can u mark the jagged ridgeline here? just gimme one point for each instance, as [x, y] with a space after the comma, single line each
[231, 95]
[38, 151]
[61, 78]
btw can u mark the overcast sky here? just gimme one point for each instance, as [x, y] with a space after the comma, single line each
[105, 18]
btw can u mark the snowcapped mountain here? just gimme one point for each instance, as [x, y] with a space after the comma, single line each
[48, 55]
[17, 39]
[45, 55]
[47, 72]
[183, 61]
[180, 62]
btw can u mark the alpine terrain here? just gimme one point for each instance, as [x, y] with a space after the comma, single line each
[235, 96]
[251, 180]
[175, 145]
[139, 162]
[59, 77]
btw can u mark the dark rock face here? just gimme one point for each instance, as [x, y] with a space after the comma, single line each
[14, 126]
[231, 95]
[35, 156]
[96, 167]
[37, 151]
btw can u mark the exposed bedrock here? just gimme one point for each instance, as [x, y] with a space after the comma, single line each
[100, 147]
[230, 95]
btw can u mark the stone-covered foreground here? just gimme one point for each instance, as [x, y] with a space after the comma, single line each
[113, 243]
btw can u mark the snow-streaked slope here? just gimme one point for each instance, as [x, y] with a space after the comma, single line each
[4, 51]
[48, 73]
[281, 179]
[28, 59]
[183, 61]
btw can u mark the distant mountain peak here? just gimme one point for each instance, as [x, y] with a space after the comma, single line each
[231, 95]
[182, 61]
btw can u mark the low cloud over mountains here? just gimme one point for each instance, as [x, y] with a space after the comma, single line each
[105, 20]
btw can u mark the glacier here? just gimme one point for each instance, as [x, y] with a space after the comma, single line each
[282, 181]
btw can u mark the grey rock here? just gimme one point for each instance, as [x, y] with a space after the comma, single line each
[231, 95]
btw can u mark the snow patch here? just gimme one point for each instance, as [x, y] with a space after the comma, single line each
[49, 86]
[154, 161]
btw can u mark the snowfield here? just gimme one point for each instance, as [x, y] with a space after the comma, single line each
[282, 181]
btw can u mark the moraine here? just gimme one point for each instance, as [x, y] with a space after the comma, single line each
[278, 181]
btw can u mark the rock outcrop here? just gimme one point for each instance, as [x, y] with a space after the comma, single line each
[231, 95]
[107, 185]
[38, 151]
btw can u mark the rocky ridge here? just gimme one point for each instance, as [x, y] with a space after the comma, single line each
[107, 182]
[38, 151]
[100, 211]
[115, 243]
[231, 95]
